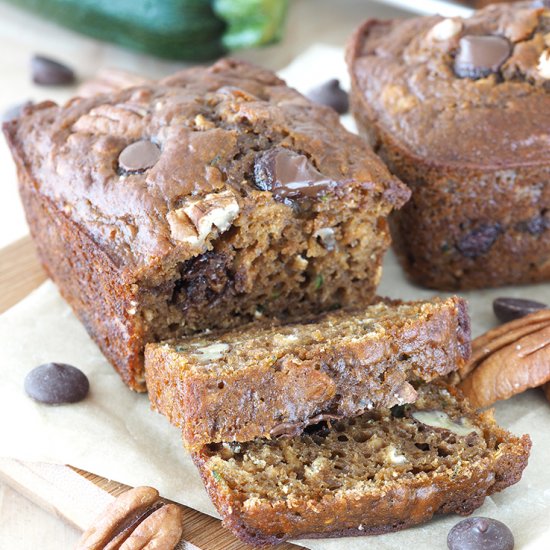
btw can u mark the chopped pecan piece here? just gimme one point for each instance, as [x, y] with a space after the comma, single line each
[197, 219]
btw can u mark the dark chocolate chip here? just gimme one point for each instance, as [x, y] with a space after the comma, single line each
[292, 429]
[398, 411]
[479, 241]
[15, 111]
[56, 383]
[479, 56]
[331, 95]
[319, 430]
[508, 309]
[138, 157]
[48, 72]
[480, 534]
[289, 176]
[534, 226]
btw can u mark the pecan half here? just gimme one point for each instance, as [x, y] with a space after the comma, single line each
[162, 530]
[505, 334]
[198, 219]
[508, 360]
[136, 519]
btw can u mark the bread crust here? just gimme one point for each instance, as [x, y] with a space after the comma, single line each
[472, 221]
[340, 378]
[87, 278]
[397, 510]
[402, 505]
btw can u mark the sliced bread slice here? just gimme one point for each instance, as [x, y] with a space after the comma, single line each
[264, 381]
[379, 472]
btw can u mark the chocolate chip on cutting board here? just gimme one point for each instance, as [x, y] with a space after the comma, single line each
[15, 111]
[331, 95]
[48, 72]
[479, 533]
[508, 309]
[479, 56]
[56, 384]
[138, 157]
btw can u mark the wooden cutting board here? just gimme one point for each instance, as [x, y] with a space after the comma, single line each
[72, 494]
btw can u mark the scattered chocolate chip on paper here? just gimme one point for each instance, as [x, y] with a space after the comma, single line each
[49, 72]
[56, 384]
[479, 533]
[330, 94]
[508, 309]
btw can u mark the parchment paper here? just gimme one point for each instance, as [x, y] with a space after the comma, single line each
[114, 434]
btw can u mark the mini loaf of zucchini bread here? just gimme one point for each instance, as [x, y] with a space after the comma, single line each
[270, 380]
[201, 201]
[379, 472]
[460, 110]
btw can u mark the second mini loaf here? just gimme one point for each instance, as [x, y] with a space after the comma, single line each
[460, 111]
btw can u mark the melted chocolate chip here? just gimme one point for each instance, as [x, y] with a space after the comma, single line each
[289, 176]
[479, 241]
[292, 429]
[204, 280]
[56, 383]
[480, 534]
[508, 309]
[398, 411]
[317, 431]
[331, 95]
[138, 157]
[479, 56]
[534, 226]
[48, 72]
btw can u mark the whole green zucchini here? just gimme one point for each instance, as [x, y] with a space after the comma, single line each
[175, 29]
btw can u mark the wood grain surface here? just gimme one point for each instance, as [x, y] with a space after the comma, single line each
[72, 494]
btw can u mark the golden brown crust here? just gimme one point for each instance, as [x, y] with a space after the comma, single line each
[398, 509]
[88, 280]
[381, 507]
[477, 217]
[274, 380]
